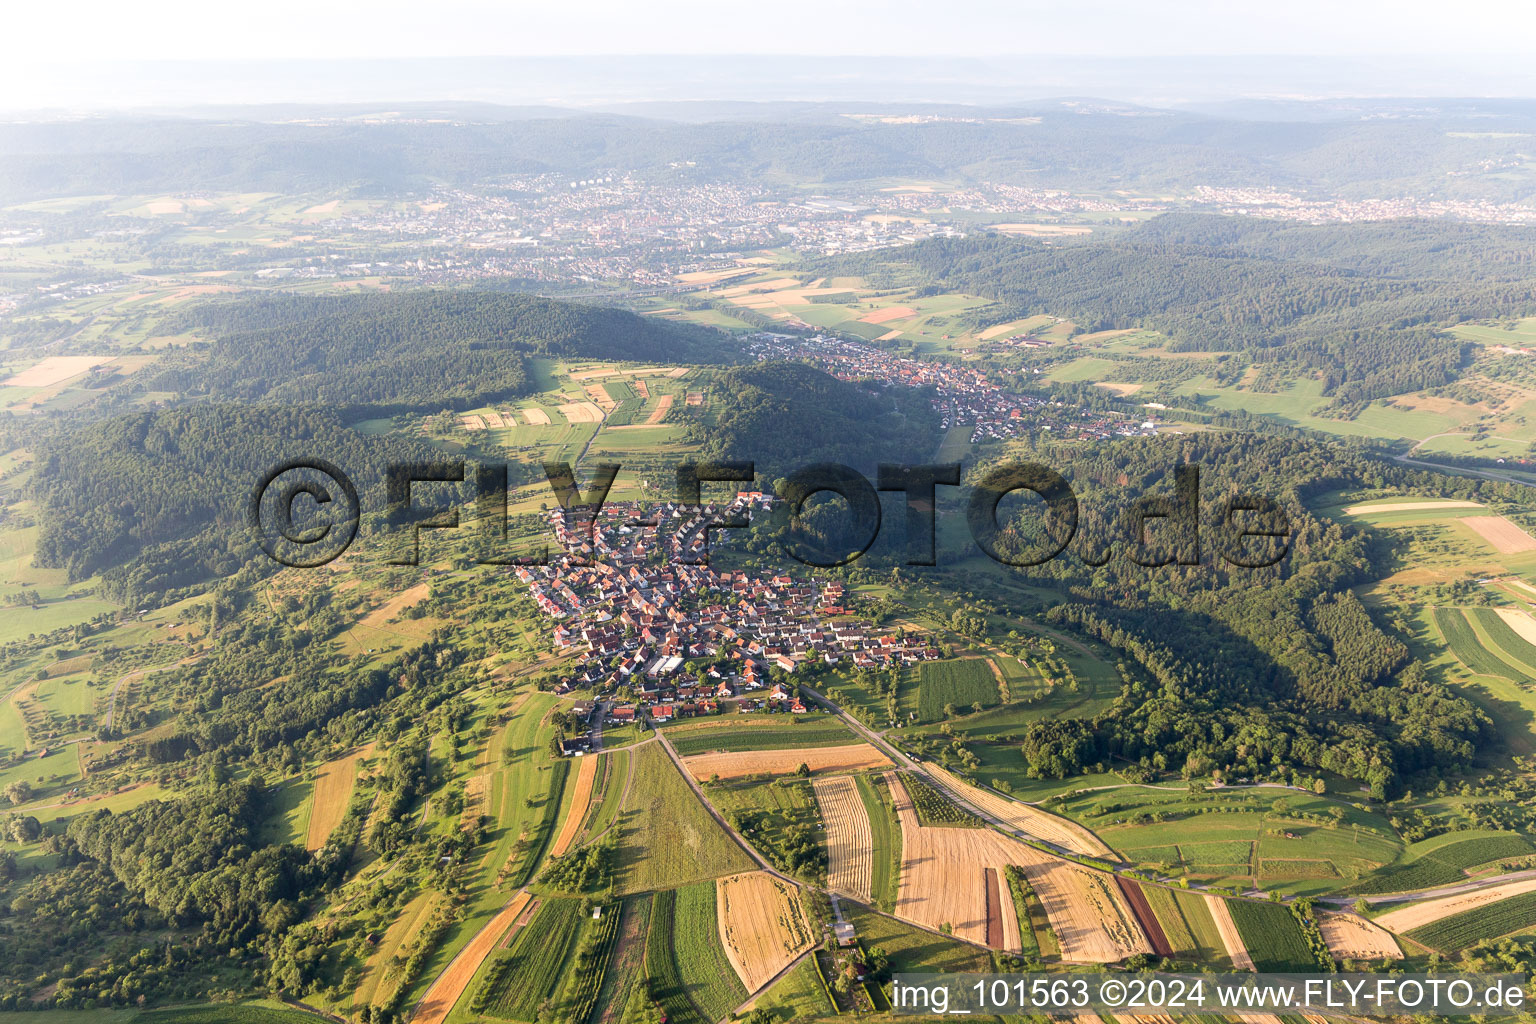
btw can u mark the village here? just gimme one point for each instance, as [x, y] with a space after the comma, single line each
[961, 394]
[667, 636]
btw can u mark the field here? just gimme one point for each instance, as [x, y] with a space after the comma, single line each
[853, 757]
[1355, 938]
[1272, 936]
[1408, 919]
[912, 950]
[959, 683]
[934, 808]
[943, 886]
[1144, 916]
[586, 772]
[1236, 836]
[1459, 931]
[761, 925]
[1164, 905]
[333, 792]
[1458, 633]
[449, 986]
[1504, 536]
[1444, 860]
[757, 732]
[665, 835]
[885, 840]
[534, 967]
[684, 955]
[799, 995]
[1030, 820]
[1220, 911]
[850, 856]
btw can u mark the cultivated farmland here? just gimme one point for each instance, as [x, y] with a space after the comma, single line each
[885, 841]
[943, 884]
[665, 835]
[1272, 936]
[1355, 938]
[1031, 820]
[1459, 931]
[586, 772]
[761, 924]
[1408, 919]
[1226, 927]
[853, 757]
[333, 792]
[1443, 860]
[1463, 642]
[850, 857]
[530, 971]
[762, 732]
[961, 683]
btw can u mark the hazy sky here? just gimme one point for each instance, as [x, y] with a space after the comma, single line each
[69, 31]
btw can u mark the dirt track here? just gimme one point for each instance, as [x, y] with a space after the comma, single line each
[1421, 914]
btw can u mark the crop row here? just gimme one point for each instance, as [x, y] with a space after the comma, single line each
[1459, 931]
[534, 967]
[1465, 645]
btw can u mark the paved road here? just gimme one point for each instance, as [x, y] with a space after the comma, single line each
[904, 761]
[1429, 894]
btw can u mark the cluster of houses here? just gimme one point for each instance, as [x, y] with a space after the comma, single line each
[962, 394]
[634, 596]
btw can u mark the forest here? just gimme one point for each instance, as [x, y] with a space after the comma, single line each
[1244, 669]
[426, 350]
[1367, 310]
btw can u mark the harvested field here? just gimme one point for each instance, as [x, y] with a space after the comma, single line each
[381, 615]
[1421, 914]
[994, 911]
[54, 370]
[853, 757]
[600, 397]
[1144, 916]
[536, 417]
[695, 398]
[1230, 936]
[943, 882]
[1355, 938]
[585, 774]
[850, 855]
[887, 314]
[333, 792]
[581, 412]
[1504, 536]
[450, 985]
[1008, 917]
[1521, 622]
[472, 422]
[762, 925]
[663, 406]
[1408, 506]
[493, 420]
[1068, 835]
